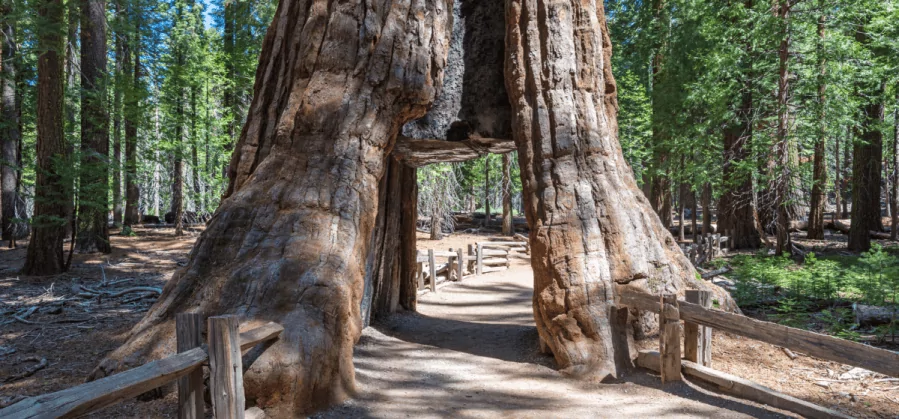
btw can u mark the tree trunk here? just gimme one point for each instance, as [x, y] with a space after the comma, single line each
[194, 156]
[681, 199]
[51, 198]
[819, 172]
[486, 191]
[289, 242]
[507, 195]
[847, 165]
[837, 181]
[117, 123]
[93, 200]
[228, 99]
[783, 180]
[132, 118]
[592, 229]
[436, 217]
[9, 129]
[693, 209]
[177, 207]
[867, 157]
[894, 175]
[707, 209]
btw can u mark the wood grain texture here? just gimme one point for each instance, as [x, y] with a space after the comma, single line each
[289, 243]
[225, 368]
[189, 334]
[422, 152]
[591, 228]
[669, 339]
[697, 338]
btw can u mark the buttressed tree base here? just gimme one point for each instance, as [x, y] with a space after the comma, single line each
[290, 242]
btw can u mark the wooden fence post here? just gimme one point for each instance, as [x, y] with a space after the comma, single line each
[225, 368]
[669, 338]
[480, 259]
[698, 339]
[461, 263]
[420, 274]
[433, 266]
[189, 335]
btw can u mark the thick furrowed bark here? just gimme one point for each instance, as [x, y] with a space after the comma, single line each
[289, 241]
[592, 229]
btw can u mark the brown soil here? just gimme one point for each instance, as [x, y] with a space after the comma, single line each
[471, 351]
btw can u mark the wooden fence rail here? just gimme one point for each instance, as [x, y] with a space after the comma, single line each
[814, 344]
[89, 397]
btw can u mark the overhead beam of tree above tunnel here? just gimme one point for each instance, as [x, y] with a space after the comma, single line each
[421, 152]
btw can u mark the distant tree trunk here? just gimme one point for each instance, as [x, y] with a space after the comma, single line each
[9, 129]
[819, 172]
[290, 240]
[507, 195]
[486, 191]
[93, 201]
[51, 198]
[660, 188]
[837, 181]
[693, 209]
[194, 156]
[847, 165]
[867, 156]
[228, 99]
[119, 86]
[178, 170]
[783, 181]
[436, 218]
[681, 199]
[592, 230]
[707, 208]
[894, 176]
[132, 118]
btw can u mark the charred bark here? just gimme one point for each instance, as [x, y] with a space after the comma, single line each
[93, 201]
[52, 197]
[289, 242]
[592, 229]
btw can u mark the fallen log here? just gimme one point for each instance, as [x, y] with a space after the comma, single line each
[866, 315]
[843, 226]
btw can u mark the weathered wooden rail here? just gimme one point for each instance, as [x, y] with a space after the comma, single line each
[223, 351]
[699, 319]
[482, 257]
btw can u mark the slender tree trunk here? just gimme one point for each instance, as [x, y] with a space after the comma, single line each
[783, 181]
[838, 180]
[847, 165]
[93, 226]
[228, 99]
[177, 208]
[867, 157]
[9, 128]
[289, 242]
[436, 218]
[894, 175]
[681, 199]
[132, 118]
[194, 156]
[660, 189]
[507, 195]
[486, 191]
[707, 209]
[819, 172]
[52, 197]
[693, 226]
[116, 165]
[592, 229]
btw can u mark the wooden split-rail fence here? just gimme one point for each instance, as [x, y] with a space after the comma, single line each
[699, 320]
[480, 258]
[708, 248]
[222, 351]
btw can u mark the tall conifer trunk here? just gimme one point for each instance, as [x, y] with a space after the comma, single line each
[132, 118]
[52, 197]
[93, 202]
[335, 83]
[9, 129]
[819, 171]
[507, 195]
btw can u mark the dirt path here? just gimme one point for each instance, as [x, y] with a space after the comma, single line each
[471, 351]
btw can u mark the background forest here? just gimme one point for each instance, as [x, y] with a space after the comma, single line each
[751, 118]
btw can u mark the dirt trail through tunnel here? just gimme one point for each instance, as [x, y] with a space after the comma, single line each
[471, 352]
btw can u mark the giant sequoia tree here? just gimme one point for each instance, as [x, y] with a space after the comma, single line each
[290, 241]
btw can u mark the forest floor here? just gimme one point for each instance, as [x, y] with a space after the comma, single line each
[470, 351]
